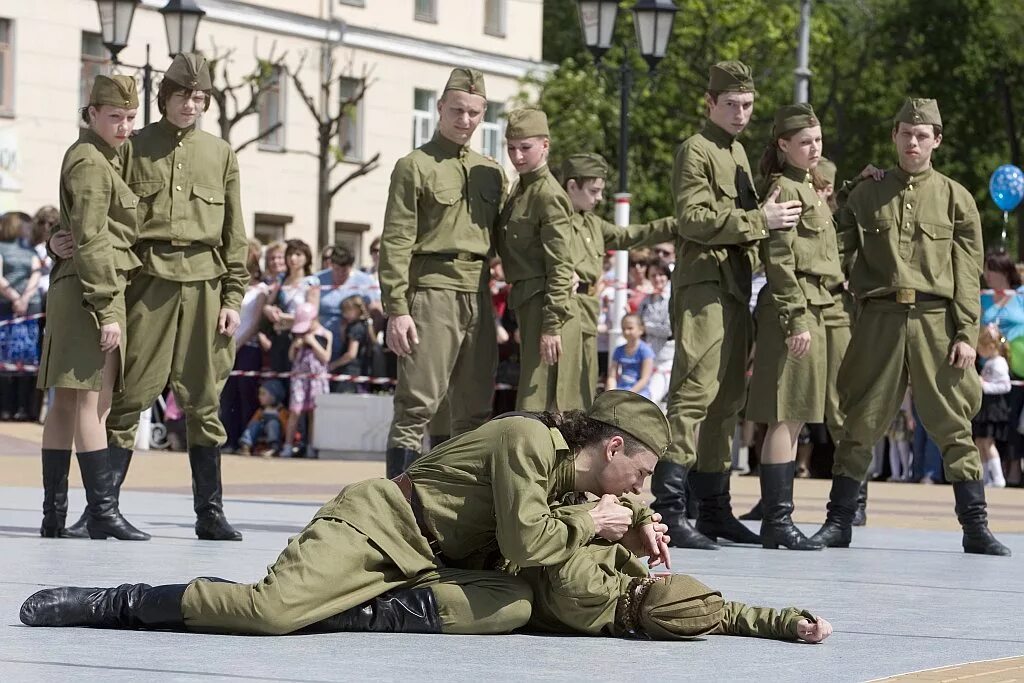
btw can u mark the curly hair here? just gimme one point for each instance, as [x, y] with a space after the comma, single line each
[579, 430]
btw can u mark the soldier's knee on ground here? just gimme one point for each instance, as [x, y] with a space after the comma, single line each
[484, 607]
[679, 606]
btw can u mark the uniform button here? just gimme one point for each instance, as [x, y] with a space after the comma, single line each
[179, 144]
[910, 206]
[178, 188]
[179, 164]
[910, 187]
[588, 239]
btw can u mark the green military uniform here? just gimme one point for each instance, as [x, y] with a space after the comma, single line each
[592, 237]
[535, 245]
[605, 590]
[915, 243]
[718, 222]
[442, 207]
[799, 263]
[485, 500]
[87, 290]
[193, 247]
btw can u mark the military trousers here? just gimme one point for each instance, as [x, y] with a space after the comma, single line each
[457, 356]
[837, 339]
[589, 375]
[173, 338]
[713, 334]
[332, 566]
[541, 386]
[582, 594]
[891, 344]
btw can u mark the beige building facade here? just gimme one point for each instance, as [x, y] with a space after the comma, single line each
[403, 49]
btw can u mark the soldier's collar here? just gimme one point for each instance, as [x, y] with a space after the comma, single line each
[537, 173]
[172, 130]
[712, 131]
[89, 135]
[797, 174]
[448, 147]
[564, 474]
[907, 178]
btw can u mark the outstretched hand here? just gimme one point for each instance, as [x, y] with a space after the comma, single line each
[813, 631]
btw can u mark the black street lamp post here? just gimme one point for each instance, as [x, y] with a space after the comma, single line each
[181, 22]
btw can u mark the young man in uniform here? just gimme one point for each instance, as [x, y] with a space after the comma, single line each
[719, 222]
[183, 306]
[433, 536]
[915, 242]
[583, 177]
[442, 208]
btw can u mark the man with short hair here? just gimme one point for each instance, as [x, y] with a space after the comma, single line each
[183, 306]
[338, 281]
[719, 223]
[442, 208]
[914, 239]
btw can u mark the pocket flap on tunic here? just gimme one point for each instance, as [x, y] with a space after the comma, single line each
[937, 231]
[728, 189]
[447, 196]
[208, 193]
[128, 200]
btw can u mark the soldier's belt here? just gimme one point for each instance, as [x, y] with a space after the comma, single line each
[588, 288]
[910, 296]
[409, 491]
[455, 256]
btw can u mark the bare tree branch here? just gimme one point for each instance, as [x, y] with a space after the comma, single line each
[364, 168]
[264, 133]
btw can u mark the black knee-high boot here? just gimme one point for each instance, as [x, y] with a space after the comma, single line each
[56, 463]
[777, 527]
[103, 512]
[128, 606]
[403, 610]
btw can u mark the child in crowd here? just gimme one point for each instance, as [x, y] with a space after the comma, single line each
[992, 423]
[356, 337]
[632, 364]
[266, 422]
[309, 353]
[899, 436]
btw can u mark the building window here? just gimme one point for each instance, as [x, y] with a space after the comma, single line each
[350, 236]
[270, 227]
[350, 128]
[354, 3]
[272, 110]
[423, 116]
[492, 132]
[426, 10]
[494, 18]
[6, 67]
[94, 63]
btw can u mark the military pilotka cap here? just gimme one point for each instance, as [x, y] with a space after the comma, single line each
[679, 605]
[466, 80]
[117, 91]
[584, 166]
[637, 416]
[730, 76]
[827, 171]
[526, 123]
[190, 71]
[793, 117]
[918, 110]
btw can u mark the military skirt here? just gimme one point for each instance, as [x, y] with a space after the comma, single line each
[71, 357]
[784, 388]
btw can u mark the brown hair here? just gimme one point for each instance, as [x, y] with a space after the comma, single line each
[659, 265]
[46, 219]
[580, 430]
[169, 87]
[295, 246]
[272, 248]
[12, 224]
[990, 339]
[936, 130]
[252, 261]
[998, 261]
[772, 161]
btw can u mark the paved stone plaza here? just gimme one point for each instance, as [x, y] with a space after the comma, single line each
[904, 599]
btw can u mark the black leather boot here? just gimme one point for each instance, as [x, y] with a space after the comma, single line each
[438, 439]
[208, 495]
[716, 519]
[973, 515]
[860, 515]
[103, 512]
[668, 484]
[777, 528]
[842, 505]
[56, 464]
[119, 459]
[403, 610]
[399, 460]
[756, 513]
[129, 606]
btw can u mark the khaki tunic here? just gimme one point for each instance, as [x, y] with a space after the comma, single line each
[87, 290]
[718, 224]
[920, 233]
[535, 242]
[193, 248]
[486, 498]
[799, 263]
[581, 595]
[443, 207]
[593, 236]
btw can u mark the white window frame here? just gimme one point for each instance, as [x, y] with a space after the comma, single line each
[7, 64]
[495, 18]
[350, 130]
[423, 121]
[427, 14]
[492, 132]
[274, 90]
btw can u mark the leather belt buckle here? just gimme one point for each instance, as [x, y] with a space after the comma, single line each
[906, 296]
[180, 243]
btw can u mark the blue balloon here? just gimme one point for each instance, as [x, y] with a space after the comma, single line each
[1007, 187]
